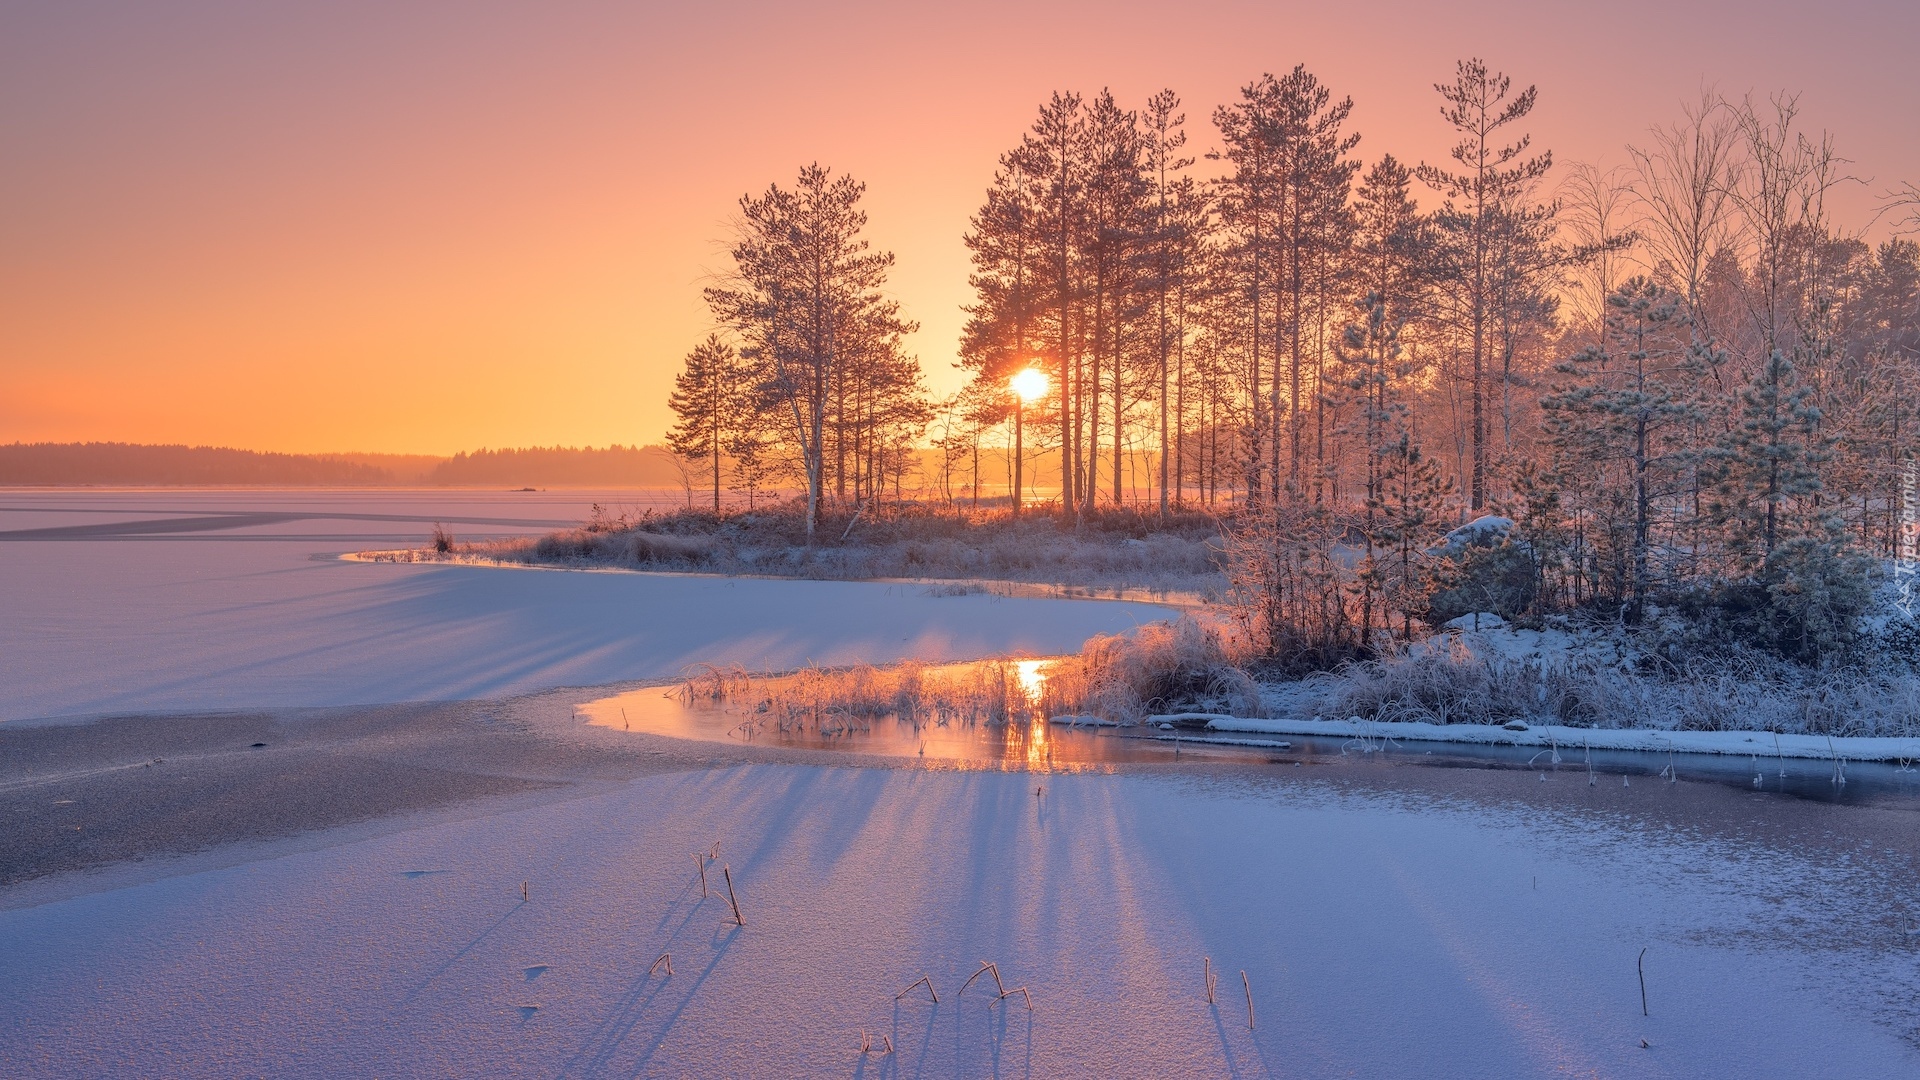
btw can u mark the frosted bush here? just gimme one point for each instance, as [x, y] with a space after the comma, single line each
[1449, 683]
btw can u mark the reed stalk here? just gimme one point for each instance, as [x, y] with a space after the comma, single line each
[731, 899]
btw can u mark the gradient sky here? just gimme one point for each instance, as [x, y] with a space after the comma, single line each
[422, 227]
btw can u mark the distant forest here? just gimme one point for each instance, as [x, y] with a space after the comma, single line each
[134, 465]
[559, 466]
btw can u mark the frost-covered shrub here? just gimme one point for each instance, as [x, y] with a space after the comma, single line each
[1805, 605]
[1611, 682]
[1481, 567]
[632, 547]
[1183, 666]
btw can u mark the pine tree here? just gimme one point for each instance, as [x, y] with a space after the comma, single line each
[1174, 233]
[1483, 205]
[1116, 206]
[1371, 368]
[753, 464]
[713, 399]
[1621, 425]
[1409, 511]
[1390, 241]
[1055, 153]
[806, 300]
[1316, 232]
[1003, 327]
[1765, 465]
[1246, 201]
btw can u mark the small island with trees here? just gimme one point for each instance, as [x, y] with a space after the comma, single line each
[1476, 439]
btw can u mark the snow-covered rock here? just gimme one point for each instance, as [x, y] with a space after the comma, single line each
[1487, 530]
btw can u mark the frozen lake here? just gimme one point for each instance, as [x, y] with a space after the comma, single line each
[1390, 921]
[139, 601]
[1487, 931]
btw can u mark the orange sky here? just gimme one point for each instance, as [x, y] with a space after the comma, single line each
[428, 227]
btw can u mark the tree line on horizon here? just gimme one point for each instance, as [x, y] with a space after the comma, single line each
[1681, 370]
[134, 464]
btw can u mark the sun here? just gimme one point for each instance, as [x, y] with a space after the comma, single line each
[1030, 384]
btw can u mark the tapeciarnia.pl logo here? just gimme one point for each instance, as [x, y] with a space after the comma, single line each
[1906, 561]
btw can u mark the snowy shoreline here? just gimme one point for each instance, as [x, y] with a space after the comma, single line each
[1738, 743]
[1005, 587]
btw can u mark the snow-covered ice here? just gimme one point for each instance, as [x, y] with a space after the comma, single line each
[1390, 922]
[233, 616]
[1383, 935]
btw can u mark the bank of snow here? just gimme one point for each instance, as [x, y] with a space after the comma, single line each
[1550, 736]
[1482, 681]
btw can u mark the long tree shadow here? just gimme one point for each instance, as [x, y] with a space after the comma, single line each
[773, 815]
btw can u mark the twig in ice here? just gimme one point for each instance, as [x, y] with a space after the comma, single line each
[738, 921]
[1249, 986]
[921, 981]
[666, 959]
[523, 892]
[985, 967]
[1022, 991]
[1642, 965]
[1209, 979]
[866, 1043]
[701, 862]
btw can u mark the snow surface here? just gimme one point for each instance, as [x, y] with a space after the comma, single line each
[232, 614]
[1385, 935]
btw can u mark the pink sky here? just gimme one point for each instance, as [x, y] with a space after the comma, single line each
[429, 227]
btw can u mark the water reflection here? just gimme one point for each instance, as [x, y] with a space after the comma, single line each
[1033, 679]
[988, 714]
[983, 714]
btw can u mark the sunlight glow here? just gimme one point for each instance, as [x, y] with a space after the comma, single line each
[1030, 384]
[1033, 679]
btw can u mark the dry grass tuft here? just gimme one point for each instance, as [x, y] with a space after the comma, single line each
[1114, 548]
[1162, 667]
[837, 702]
[1184, 666]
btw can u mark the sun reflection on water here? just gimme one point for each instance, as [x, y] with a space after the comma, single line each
[983, 713]
[1034, 734]
[1033, 679]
